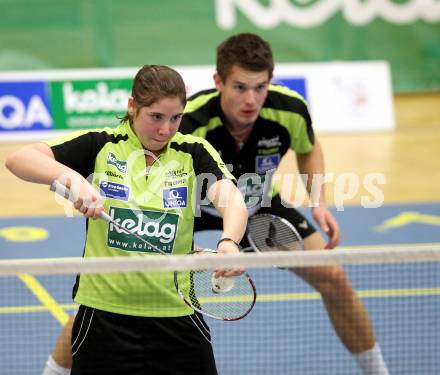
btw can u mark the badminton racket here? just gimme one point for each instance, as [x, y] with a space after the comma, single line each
[266, 232]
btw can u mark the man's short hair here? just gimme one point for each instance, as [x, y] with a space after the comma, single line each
[246, 50]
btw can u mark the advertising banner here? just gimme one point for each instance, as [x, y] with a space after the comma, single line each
[342, 97]
[24, 106]
[82, 104]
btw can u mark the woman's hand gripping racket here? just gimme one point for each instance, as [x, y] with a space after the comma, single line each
[268, 232]
[224, 298]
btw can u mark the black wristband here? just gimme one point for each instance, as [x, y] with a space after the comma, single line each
[228, 239]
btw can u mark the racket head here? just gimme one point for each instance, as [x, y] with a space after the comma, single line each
[267, 232]
[197, 290]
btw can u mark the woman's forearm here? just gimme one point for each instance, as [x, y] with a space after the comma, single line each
[36, 163]
[228, 200]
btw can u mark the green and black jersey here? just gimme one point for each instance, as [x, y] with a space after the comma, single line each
[284, 123]
[157, 202]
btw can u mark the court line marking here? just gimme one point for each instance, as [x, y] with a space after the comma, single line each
[45, 298]
[272, 297]
[34, 308]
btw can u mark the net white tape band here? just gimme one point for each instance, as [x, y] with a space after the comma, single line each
[254, 260]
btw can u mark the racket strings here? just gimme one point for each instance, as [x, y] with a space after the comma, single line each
[230, 304]
[271, 233]
[192, 292]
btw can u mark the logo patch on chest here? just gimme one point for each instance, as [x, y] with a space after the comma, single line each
[175, 197]
[158, 228]
[264, 163]
[113, 190]
[121, 165]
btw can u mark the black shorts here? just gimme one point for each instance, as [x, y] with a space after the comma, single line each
[278, 207]
[108, 343]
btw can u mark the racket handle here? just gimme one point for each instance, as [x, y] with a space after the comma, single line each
[65, 192]
[62, 190]
[105, 216]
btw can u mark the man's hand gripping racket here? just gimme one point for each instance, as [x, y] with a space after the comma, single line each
[224, 298]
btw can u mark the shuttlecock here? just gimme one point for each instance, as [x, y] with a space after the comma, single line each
[222, 284]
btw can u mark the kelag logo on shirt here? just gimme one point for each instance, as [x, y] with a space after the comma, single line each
[156, 227]
[175, 197]
[266, 163]
[113, 190]
[121, 165]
